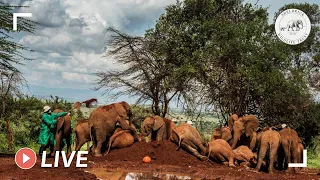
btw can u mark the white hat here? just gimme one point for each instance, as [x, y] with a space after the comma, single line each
[46, 108]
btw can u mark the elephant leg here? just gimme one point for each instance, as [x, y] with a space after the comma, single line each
[78, 146]
[199, 145]
[295, 159]
[240, 157]
[58, 144]
[161, 134]
[101, 137]
[272, 156]
[231, 160]
[287, 153]
[262, 155]
[193, 151]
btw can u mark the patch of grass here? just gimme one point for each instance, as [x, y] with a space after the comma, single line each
[313, 160]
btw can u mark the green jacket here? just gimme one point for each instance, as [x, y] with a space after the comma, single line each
[46, 130]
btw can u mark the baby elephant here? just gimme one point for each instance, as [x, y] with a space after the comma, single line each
[244, 155]
[189, 139]
[121, 139]
[82, 133]
[220, 151]
[268, 140]
[157, 128]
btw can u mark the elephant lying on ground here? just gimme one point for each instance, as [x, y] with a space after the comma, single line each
[121, 139]
[159, 128]
[226, 134]
[244, 155]
[289, 148]
[82, 132]
[189, 139]
[102, 124]
[220, 151]
[268, 140]
[62, 131]
[244, 130]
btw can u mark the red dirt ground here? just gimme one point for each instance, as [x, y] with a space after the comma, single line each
[165, 159]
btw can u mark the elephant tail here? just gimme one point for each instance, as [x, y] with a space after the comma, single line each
[290, 140]
[209, 151]
[76, 138]
[179, 137]
[92, 134]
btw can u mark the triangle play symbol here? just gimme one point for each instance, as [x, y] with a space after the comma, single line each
[25, 158]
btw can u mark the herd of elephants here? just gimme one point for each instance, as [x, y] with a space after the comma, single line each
[241, 142]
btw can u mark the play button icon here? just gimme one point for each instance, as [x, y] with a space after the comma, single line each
[25, 158]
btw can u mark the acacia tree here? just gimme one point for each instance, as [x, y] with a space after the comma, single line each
[143, 72]
[11, 53]
[11, 83]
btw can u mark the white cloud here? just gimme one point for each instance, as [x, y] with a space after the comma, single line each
[49, 13]
[70, 40]
[50, 66]
[76, 77]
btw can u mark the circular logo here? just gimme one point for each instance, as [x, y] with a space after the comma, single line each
[25, 158]
[293, 26]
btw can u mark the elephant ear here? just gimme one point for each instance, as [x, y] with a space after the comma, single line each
[251, 124]
[157, 122]
[125, 105]
[120, 109]
[226, 134]
[231, 120]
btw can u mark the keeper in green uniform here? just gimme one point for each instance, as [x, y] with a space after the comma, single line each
[47, 134]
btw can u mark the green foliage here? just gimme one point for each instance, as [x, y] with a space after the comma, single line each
[140, 112]
[24, 115]
[314, 153]
[235, 61]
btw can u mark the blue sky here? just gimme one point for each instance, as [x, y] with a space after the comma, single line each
[70, 40]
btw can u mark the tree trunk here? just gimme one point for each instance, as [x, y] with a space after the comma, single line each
[9, 135]
[166, 106]
[156, 108]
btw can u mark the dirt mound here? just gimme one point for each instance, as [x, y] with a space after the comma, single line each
[163, 152]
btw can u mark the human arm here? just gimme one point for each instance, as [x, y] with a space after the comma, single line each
[48, 120]
[56, 115]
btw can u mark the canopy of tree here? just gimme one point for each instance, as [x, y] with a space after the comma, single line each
[221, 56]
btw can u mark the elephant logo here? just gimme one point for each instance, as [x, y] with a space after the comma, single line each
[293, 26]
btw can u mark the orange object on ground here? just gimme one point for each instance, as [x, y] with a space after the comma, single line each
[146, 159]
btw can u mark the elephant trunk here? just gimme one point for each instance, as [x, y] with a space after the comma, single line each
[130, 115]
[143, 131]
[236, 137]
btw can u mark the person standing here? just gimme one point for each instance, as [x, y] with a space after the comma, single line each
[47, 134]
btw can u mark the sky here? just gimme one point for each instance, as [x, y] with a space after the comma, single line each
[70, 41]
